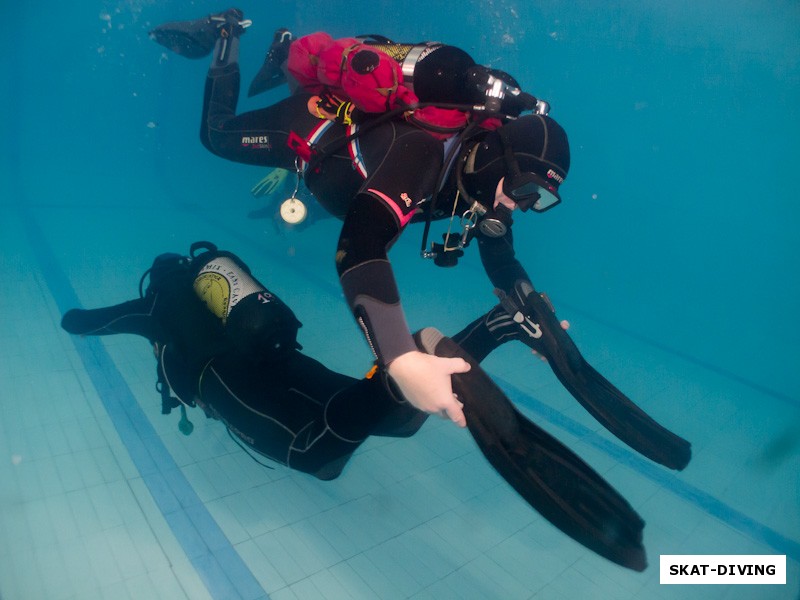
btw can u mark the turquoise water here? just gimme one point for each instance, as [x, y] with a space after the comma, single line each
[674, 255]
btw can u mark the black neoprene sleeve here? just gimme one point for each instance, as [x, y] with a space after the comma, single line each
[500, 261]
[367, 278]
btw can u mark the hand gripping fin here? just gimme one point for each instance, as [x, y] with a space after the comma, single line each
[547, 474]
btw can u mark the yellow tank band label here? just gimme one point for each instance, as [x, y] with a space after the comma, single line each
[396, 51]
[215, 291]
[222, 284]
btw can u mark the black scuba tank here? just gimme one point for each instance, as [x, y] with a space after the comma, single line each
[258, 324]
[435, 72]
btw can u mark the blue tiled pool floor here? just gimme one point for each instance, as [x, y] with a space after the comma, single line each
[102, 497]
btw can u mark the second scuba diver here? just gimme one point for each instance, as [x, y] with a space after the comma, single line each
[225, 343]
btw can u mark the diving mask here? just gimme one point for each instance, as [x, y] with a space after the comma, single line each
[526, 188]
[529, 190]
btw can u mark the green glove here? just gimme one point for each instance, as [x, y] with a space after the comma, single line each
[270, 183]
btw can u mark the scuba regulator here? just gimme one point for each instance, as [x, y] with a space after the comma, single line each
[501, 93]
[500, 96]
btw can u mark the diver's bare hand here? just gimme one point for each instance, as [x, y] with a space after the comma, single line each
[424, 381]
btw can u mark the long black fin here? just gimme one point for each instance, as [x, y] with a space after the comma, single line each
[271, 73]
[133, 317]
[192, 39]
[612, 409]
[547, 474]
[269, 76]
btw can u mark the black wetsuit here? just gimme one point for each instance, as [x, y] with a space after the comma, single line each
[283, 404]
[280, 402]
[377, 184]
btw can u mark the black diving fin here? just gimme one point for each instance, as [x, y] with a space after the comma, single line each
[547, 474]
[133, 317]
[196, 39]
[271, 73]
[596, 394]
[192, 39]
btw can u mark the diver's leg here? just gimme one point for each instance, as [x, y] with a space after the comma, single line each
[486, 333]
[352, 411]
[257, 137]
[273, 71]
[380, 407]
[196, 38]
[134, 317]
[279, 410]
[257, 404]
[326, 444]
[221, 92]
[299, 413]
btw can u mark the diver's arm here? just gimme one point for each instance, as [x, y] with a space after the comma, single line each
[370, 288]
[500, 261]
[367, 278]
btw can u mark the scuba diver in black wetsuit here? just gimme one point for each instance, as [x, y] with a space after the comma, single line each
[225, 343]
[381, 170]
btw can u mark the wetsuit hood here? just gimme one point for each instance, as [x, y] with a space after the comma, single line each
[539, 145]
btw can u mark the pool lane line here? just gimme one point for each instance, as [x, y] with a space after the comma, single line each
[212, 555]
[690, 358]
[658, 474]
[689, 493]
